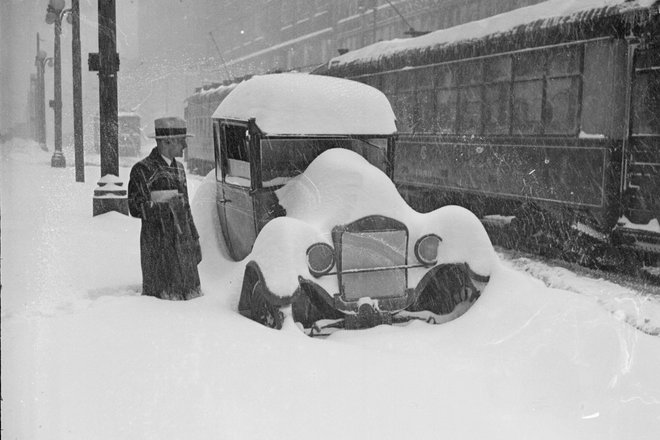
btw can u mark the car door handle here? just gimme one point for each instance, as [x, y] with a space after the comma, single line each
[224, 201]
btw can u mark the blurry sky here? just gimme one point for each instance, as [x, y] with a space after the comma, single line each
[20, 21]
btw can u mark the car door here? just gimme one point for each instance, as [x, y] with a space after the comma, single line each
[234, 191]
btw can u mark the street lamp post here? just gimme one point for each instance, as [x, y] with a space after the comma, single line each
[110, 194]
[40, 61]
[54, 14]
[77, 92]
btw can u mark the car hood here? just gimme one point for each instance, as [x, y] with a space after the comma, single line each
[340, 187]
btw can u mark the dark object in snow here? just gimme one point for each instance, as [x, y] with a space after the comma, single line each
[169, 242]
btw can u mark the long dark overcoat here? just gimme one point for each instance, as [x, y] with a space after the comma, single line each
[169, 242]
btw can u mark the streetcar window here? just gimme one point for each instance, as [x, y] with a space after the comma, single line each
[646, 93]
[470, 73]
[389, 83]
[470, 110]
[424, 78]
[373, 81]
[496, 109]
[446, 111]
[426, 115]
[564, 61]
[561, 106]
[646, 103]
[497, 69]
[403, 105]
[526, 118]
[444, 76]
[406, 80]
[528, 65]
[497, 77]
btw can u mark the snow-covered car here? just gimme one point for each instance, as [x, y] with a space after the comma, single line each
[350, 253]
[269, 128]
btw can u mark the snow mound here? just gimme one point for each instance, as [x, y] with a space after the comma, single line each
[338, 187]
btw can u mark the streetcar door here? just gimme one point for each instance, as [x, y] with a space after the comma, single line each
[234, 188]
[643, 168]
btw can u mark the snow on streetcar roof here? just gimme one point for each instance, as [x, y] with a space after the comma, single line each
[545, 14]
[303, 104]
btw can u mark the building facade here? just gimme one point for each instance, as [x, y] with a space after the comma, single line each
[301, 34]
[189, 44]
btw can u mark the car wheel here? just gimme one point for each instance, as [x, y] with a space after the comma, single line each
[450, 286]
[262, 311]
[307, 308]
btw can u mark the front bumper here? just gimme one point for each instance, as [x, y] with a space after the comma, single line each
[434, 299]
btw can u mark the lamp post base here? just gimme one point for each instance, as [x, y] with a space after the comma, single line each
[110, 195]
[58, 160]
[101, 205]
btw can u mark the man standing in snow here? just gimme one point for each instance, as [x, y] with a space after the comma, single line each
[158, 194]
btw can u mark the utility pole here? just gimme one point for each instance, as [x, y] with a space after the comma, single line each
[110, 194]
[79, 149]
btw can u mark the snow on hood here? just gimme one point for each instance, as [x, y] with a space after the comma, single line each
[546, 13]
[340, 187]
[302, 104]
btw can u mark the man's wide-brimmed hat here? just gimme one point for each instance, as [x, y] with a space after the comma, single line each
[170, 127]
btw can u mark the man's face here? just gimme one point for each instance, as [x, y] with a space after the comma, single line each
[176, 146]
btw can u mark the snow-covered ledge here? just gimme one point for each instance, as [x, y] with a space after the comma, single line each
[110, 195]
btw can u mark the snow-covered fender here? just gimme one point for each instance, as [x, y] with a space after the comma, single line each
[271, 275]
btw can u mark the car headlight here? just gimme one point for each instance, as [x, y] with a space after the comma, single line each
[320, 259]
[426, 249]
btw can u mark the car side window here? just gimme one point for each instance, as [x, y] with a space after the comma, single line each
[238, 161]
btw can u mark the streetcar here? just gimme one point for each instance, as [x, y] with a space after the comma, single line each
[199, 108]
[548, 114]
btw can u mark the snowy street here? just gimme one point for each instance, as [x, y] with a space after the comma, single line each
[545, 353]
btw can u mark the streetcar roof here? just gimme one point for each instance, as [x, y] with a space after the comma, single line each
[303, 104]
[546, 14]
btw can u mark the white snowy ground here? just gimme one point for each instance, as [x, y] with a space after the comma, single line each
[84, 356]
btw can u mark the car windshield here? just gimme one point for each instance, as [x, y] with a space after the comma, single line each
[288, 157]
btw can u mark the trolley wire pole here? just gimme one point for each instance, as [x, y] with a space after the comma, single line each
[224, 64]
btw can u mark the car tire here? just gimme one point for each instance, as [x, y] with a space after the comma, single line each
[449, 286]
[260, 309]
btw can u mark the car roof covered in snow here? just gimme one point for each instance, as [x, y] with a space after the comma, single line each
[303, 104]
